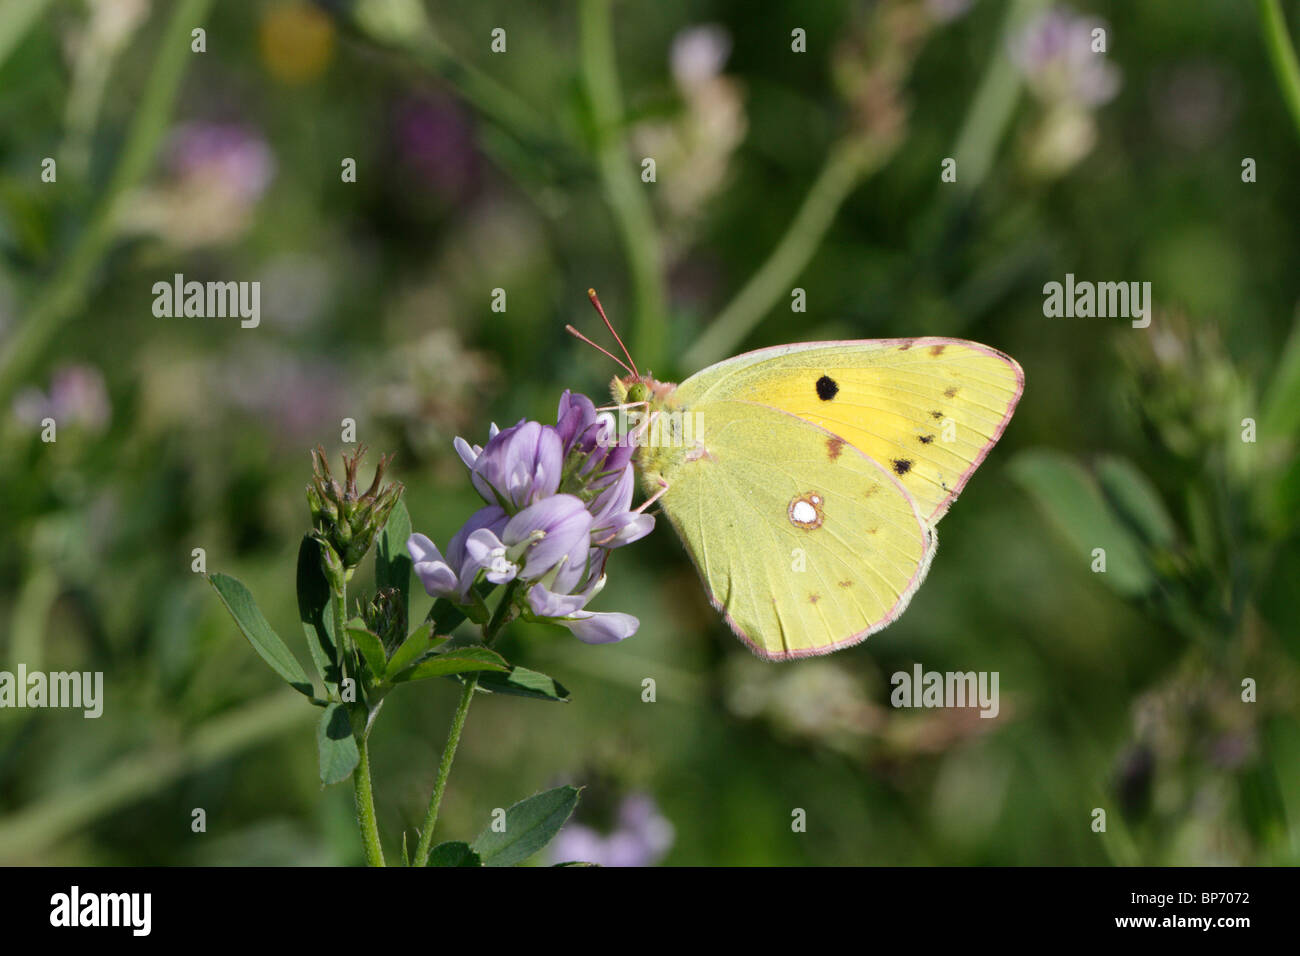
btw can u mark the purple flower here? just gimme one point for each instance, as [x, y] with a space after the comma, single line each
[559, 500]
[77, 398]
[641, 837]
[518, 466]
[441, 576]
[1054, 52]
[226, 155]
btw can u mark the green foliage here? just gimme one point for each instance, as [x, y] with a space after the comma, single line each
[338, 748]
[529, 825]
[454, 853]
[1075, 505]
[253, 625]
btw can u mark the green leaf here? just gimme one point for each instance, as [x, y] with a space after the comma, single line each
[371, 647]
[1073, 503]
[521, 682]
[316, 612]
[239, 602]
[529, 825]
[459, 660]
[1281, 415]
[418, 642]
[454, 853]
[1133, 495]
[392, 561]
[338, 748]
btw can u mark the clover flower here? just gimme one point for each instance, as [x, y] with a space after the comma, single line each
[559, 499]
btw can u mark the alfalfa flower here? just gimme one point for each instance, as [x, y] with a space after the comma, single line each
[558, 501]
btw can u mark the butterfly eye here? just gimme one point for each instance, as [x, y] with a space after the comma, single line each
[806, 511]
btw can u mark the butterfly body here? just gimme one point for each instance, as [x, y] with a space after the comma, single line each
[806, 480]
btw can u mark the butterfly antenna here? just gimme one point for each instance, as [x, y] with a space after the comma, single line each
[575, 333]
[595, 300]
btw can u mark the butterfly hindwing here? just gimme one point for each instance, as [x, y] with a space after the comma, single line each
[928, 409]
[806, 544]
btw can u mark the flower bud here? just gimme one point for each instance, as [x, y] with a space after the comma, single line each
[346, 520]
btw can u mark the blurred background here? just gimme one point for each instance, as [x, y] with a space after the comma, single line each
[775, 168]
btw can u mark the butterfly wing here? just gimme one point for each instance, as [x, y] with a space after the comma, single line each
[804, 543]
[929, 409]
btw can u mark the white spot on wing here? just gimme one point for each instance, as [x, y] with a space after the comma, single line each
[805, 511]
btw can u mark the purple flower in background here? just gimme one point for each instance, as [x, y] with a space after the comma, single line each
[559, 499]
[641, 837]
[435, 140]
[225, 155]
[77, 398]
[214, 175]
[1054, 52]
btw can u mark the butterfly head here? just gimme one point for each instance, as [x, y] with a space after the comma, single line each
[641, 390]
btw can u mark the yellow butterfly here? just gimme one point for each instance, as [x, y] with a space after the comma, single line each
[806, 480]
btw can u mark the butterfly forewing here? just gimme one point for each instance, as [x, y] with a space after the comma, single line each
[927, 409]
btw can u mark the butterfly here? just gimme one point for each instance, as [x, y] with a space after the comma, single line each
[806, 480]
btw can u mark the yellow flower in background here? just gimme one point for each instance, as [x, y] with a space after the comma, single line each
[297, 41]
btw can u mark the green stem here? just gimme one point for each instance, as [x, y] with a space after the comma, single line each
[847, 165]
[623, 189]
[363, 792]
[365, 800]
[423, 848]
[994, 105]
[502, 616]
[65, 292]
[1282, 54]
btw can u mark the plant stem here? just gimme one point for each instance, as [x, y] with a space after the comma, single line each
[365, 800]
[422, 849]
[848, 164]
[1282, 54]
[626, 195]
[66, 290]
[502, 616]
[363, 792]
[994, 105]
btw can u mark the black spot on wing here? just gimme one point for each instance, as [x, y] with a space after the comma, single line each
[901, 466]
[827, 388]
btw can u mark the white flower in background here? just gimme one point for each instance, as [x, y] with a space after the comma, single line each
[693, 150]
[1055, 52]
[215, 175]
